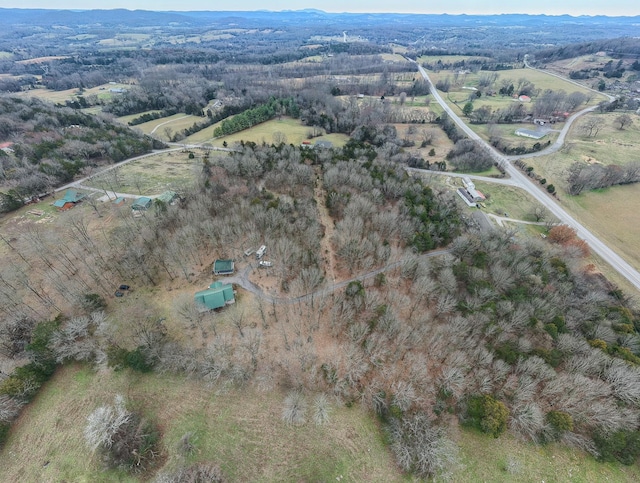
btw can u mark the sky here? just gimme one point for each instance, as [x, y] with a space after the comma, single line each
[549, 7]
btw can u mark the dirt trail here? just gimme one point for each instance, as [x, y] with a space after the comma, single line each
[326, 220]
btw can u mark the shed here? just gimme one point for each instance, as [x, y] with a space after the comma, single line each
[119, 201]
[168, 197]
[142, 204]
[223, 267]
[216, 296]
[323, 144]
[528, 133]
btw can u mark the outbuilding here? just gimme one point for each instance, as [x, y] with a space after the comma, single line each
[142, 204]
[223, 267]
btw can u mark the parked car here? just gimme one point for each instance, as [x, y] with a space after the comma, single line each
[264, 263]
[123, 287]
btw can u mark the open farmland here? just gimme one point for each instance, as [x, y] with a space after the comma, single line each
[249, 441]
[287, 130]
[541, 80]
[151, 175]
[448, 59]
[61, 97]
[171, 124]
[131, 117]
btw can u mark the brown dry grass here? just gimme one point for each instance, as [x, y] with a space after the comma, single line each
[240, 429]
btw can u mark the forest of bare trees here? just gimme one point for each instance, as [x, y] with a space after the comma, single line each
[507, 336]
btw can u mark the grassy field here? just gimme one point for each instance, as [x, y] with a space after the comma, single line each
[152, 175]
[609, 213]
[541, 80]
[5, 55]
[448, 59]
[267, 132]
[61, 96]
[507, 199]
[131, 117]
[485, 459]
[175, 123]
[610, 146]
[249, 440]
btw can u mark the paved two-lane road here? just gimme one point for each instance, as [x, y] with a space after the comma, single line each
[524, 182]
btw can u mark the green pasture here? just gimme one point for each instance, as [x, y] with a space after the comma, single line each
[239, 429]
[291, 131]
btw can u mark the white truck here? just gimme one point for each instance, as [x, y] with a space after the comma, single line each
[260, 252]
[264, 263]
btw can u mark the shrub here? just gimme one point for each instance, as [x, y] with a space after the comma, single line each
[295, 408]
[488, 414]
[560, 421]
[122, 438]
[4, 433]
[623, 446]
[422, 448]
[120, 358]
[552, 330]
[321, 410]
[93, 302]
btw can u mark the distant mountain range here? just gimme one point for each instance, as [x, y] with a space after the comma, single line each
[263, 18]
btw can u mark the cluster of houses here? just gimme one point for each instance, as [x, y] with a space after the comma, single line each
[469, 193]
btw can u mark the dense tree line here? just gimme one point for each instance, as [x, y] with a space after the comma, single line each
[52, 144]
[256, 115]
[584, 176]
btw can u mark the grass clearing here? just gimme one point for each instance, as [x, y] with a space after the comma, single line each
[249, 440]
[5, 55]
[131, 117]
[448, 59]
[175, 123]
[485, 459]
[612, 215]
[103, 92]
[152, 175]
[507, 199]
[293, 130]
[541, 80]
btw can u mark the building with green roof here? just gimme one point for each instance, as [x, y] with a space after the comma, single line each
[223, 267]
[71, 197]
[216, 296]
[141, 204]
[168, 197]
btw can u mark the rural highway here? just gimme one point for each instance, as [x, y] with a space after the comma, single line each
[525, 183]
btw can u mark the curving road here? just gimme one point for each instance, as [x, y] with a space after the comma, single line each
[525, 183]
[242, 279]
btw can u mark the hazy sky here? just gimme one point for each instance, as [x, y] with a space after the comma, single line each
[550, 7]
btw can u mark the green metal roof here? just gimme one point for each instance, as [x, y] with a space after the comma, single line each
[168, 196]
[216, 296]
[222, 267]
[73, 196]
[141, 203]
